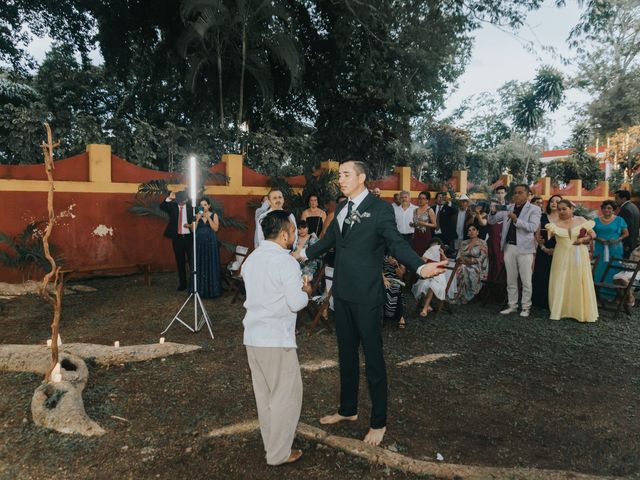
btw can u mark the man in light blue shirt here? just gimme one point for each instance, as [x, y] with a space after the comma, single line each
[276, 291]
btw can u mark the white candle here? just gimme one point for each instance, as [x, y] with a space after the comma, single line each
[116, 344]
[49, 342]
[161, 340]
[59, 340]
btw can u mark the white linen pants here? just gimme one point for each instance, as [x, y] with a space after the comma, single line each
[518, 265]
[277, 386]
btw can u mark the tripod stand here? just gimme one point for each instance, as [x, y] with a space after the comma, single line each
[197, 301]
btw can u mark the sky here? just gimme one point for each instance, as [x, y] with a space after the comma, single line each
[497, 57]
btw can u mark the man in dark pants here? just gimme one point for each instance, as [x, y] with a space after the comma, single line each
[630, 214]
[363, 227]
[180, 215]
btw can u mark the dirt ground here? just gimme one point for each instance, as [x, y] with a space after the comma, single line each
[522, 393]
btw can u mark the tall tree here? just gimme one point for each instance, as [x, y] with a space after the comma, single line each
[607, 45]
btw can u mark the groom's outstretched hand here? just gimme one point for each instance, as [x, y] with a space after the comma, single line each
[429, 270]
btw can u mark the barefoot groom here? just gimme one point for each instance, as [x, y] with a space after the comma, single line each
[362, 229]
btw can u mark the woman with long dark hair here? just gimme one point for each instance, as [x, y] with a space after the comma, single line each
[544, 253]
[207, 254]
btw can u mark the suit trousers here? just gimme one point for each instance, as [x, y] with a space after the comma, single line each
[518, 265]
[183, 250]
[277, 386]
[358, 323]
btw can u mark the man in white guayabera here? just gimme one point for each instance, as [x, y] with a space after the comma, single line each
[275, 292]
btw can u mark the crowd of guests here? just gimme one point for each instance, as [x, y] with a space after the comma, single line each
[541, 250]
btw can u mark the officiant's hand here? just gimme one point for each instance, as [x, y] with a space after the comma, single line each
[433, 269]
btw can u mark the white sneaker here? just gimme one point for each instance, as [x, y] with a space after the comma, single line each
[509, 310]
[524, 312]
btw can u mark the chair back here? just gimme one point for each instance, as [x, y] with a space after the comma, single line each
[241, 255]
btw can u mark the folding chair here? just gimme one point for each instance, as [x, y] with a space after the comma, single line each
[622, 265]
[235, 279]
[325, 302]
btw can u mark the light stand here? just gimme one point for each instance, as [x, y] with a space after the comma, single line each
[197, 301]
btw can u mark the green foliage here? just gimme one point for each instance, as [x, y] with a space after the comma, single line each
[447, 152]
[324, 185]
[514, 155]
[607, 60]
[25, 251]
[579, 165]
[544, 94]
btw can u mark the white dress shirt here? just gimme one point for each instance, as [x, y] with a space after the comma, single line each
[357, 200]
[273, 282]
[404, 218]
[259, 236]
[462, 215]
[259, 211]
[182, 230]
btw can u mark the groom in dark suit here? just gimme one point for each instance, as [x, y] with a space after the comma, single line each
[362, 229]
[180, 214]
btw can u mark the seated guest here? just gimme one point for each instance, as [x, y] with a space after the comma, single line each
[611, 230]
[571, 290]
[428, 287]
[207, 253]
[624, 277]
[473, 267]
[314, 216]
[392, 272]
[304, 240]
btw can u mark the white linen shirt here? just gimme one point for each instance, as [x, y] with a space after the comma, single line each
[404, 218]
[273, 282]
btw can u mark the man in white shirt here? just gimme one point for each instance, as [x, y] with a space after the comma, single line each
[276, 202]
[262, 209]
[404, 216]
[275, 292]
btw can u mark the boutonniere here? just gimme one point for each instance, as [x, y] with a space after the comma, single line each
[356, 217]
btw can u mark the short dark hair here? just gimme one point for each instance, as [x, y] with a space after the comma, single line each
[500, 187]
[311, 196]
[535, 199]
[626, 194]
[425, 193]
[181, 196]
[303, 224]
[360, 168]
[523, 185]
[274, 222]
[609, 203]
[206, 199]
[274, 190]
[548, 209]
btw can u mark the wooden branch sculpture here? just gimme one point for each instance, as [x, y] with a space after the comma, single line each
[55, 299]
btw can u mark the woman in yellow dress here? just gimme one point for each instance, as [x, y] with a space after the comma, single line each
[571, 291]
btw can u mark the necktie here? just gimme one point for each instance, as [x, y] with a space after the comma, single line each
[346, 225]
[180, 220]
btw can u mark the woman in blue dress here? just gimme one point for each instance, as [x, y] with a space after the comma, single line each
[610, 231]
[207, 254]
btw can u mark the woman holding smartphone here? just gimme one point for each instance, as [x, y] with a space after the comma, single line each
[207, 254]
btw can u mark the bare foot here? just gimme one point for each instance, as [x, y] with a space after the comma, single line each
[374, 436]
[337, 418]
[294, 457]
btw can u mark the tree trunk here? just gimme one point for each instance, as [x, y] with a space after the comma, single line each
[242, 70]
[219, 54]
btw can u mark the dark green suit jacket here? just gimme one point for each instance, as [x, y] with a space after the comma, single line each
[357, 276]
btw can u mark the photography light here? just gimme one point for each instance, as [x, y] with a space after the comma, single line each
[192, 179]
[199, 320]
